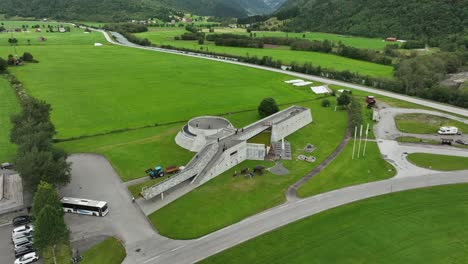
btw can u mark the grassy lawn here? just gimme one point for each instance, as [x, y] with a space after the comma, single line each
[131, 153]
[81, 82]
[226, 199]
[62, 255]
[344, 171]
[166, 37]
[110, 251]
[425, 124]
[418, 226]
[439, 162]
[8, 106]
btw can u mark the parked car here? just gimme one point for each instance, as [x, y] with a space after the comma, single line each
[28, 258]
[22, 229]
[23, 251]
[6, 166]
[23, 243]
[19, 236]
[462, 142]
[21, 220]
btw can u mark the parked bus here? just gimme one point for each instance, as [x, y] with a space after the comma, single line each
[83, 206]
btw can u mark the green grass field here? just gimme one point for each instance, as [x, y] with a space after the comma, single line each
[438, 162]
[419, 226]
[109, 88]
[344, 171]
[110, 251]
[425, 124]
[165, 36]
[357, 42]
[227, 199]
[8, 106]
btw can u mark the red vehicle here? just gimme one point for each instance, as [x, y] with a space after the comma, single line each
[370, 100]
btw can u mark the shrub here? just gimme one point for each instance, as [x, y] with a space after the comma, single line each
[325, 103]
[267, 107]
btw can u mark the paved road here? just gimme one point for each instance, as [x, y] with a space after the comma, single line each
[196, 250]
[7, 254]
[442, 107]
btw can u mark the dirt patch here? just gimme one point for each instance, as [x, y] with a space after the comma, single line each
[271, 46]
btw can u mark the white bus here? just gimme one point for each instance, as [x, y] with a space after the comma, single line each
[83, 206]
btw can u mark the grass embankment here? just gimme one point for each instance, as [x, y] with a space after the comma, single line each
[226, 199]
[439, 162]
[8, 106]
[62, 254]
[166, 37]
[109, 251]
[344, 171]
[419, 226]
[425, 124]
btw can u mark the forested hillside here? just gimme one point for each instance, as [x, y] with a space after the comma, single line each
[406, 19]
[94, 10]
[121, 10]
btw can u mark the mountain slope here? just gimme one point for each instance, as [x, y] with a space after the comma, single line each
[232, 8]
[380, 18]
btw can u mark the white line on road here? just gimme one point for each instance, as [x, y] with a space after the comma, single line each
[177, 248]
[151, 259]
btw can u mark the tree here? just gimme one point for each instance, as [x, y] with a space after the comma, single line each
[45, 195]
[36, 165]
[3, 65]
[325, 103]
[28, 57]
[12, 41]
[344, 99]
[201, 41]
[49, 228]
[267, 107]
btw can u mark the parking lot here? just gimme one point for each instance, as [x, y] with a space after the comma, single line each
[94, 178]
[6, 247]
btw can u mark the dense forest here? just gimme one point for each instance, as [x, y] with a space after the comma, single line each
[121, 10]
[405, 19]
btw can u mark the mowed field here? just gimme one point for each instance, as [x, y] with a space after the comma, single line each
[100, 89]
[418, 226]
[9, 105]
[165, 36]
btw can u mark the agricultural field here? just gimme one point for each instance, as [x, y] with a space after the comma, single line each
[425, 124]
[439, 162]
[165, 36]
[82, 83]
[417, 226]
[346, 171]
[8, 107]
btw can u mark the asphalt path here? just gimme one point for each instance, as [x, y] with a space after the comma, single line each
[196, 250]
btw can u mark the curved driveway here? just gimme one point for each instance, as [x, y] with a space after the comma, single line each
[154, 249]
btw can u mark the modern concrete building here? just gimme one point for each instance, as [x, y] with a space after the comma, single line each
[220, 146]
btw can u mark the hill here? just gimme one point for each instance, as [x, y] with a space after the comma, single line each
[121, 10]
[406, 19]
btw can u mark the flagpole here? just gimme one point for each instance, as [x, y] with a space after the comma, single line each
[365, 142]
[360, 140]
[355, 135]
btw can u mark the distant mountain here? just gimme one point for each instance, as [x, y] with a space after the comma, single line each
[379, 18]
[125, 9]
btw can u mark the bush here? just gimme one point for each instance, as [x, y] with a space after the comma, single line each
[3, 65]
[325, 103]
[27, 57]
[267, 107]
[344, 99]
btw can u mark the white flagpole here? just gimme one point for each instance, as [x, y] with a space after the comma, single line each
[365, 142]
[360, 140]
[355, 135]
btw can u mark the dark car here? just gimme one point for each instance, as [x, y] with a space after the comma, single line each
[21, 220]
[462, 142]
[6, 166]
[23, 251]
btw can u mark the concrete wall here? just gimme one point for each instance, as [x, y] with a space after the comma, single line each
[290, 125]
[256, 151]
[228, 159]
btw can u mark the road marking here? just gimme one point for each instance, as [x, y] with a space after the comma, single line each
[151, 259]
[283, 206]
[5, 224]
[177, 248]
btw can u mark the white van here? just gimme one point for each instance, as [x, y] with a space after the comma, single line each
[448, 131]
